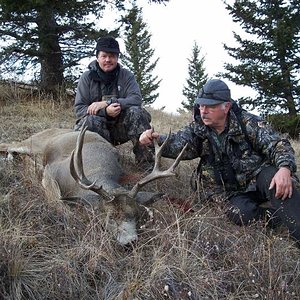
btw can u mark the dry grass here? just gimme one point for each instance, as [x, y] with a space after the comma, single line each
[53, 251]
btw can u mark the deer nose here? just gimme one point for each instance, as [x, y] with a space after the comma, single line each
[127, 232]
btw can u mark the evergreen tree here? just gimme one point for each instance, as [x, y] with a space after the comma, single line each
[139, 54]
[197, 78]
[269, 58]
[51, 35]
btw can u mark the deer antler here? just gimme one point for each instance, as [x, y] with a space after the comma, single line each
[156, 173]
[79, 175]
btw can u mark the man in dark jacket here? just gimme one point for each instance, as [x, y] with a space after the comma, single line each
[242, 159]
[109, 101]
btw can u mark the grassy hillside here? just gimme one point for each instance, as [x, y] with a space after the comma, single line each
[50, 250]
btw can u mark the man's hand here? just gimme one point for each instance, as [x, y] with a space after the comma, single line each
[282, 181]
[147, 137]
[113, 110]
[95, 107]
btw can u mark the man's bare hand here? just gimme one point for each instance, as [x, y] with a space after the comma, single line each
[146, 138]
[113, 110]
[282, 181]
[95, 107]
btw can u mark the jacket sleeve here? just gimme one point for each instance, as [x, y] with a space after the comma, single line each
[83, 97]
[129, 91]
[278, 150]
[178, 140]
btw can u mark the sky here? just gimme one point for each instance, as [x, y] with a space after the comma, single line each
[175, 27]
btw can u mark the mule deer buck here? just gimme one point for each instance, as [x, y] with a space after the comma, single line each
[83, 165]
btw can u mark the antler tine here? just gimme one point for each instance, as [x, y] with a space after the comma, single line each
[156, 173]
[178, 159]
[159, 149]
[79, 175]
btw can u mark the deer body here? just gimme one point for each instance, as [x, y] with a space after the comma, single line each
[83, 165]
[100, 160]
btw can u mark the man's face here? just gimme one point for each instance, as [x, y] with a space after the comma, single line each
[107, 61]
[214, 116]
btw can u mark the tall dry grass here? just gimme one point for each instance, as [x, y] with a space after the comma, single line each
[50, 250]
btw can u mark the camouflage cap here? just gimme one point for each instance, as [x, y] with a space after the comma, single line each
[215, 91]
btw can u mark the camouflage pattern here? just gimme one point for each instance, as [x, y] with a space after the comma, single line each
[228, 163]
[127, 126]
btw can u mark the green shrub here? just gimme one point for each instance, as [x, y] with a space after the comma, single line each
[286, 124]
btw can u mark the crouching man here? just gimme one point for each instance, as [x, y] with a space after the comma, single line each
[242, 160]
[109, 101]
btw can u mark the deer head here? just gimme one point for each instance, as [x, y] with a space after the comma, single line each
[121, 204]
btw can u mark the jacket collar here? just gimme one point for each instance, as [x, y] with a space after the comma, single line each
[234, 127]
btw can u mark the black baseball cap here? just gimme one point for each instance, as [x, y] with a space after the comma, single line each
[108, 44]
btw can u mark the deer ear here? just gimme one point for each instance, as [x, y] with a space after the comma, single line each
[148, 198]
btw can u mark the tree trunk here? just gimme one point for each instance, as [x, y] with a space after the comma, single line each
[287, 88]
[51, 59]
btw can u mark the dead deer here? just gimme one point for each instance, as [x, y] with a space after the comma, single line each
[82, 165]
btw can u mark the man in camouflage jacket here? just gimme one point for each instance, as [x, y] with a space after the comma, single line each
[242, 159]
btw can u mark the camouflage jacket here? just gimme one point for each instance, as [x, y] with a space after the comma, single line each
[229, 162]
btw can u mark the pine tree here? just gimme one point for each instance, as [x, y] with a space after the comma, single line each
[269, 56]
[139, 54]
[197, 78]
[51, 36]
